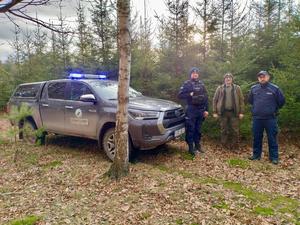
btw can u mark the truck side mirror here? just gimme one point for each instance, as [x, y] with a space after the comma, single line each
[88, 98]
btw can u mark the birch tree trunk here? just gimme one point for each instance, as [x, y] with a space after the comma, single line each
[120, 165]
[205, 21]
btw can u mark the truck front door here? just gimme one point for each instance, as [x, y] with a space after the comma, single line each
[81, 118]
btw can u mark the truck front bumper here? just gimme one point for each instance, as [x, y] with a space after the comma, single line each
[148, 134]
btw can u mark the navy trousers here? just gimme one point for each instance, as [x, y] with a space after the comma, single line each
[270, 125]
[194, 118]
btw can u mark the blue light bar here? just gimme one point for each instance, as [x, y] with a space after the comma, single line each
[86, 76]
[75, 76]
[102, 76]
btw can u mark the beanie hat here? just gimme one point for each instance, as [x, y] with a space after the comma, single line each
[228, 75]
[194, 69]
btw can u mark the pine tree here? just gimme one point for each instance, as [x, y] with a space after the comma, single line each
[238, 23]
[63, 40]
[143, 56]
[17, 46]
[224, 13]
[175, 36]
[105, 31]
[207, 13]
[84, 58]
[56, 62]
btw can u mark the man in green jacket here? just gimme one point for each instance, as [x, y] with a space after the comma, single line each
[228, 106]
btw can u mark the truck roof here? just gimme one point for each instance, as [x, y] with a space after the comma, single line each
[88, 81]
[40, 82]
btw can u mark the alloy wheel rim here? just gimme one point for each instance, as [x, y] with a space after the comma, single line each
[111, 148]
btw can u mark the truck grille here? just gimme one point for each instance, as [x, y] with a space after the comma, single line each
[173, 113]
[173, 117]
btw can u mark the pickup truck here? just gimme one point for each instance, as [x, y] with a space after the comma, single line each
[85, 106]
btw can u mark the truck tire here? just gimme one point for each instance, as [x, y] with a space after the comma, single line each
[108, 144]
[29, 135]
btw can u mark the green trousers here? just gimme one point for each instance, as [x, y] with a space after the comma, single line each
[229, 124]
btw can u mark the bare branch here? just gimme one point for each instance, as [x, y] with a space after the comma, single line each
[11, 20]
[49, 26]
[16, 7]
[31, 3]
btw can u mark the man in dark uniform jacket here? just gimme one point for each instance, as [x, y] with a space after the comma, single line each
[194, 93]
[266, 99]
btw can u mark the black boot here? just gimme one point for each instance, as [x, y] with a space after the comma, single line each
[191, 149]
[198, 147]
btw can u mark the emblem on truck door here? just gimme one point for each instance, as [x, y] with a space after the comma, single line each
[78, 113]
[78, 120]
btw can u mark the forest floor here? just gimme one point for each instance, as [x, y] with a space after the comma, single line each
[63, 183]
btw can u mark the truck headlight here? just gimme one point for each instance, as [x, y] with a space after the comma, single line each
[143, 115]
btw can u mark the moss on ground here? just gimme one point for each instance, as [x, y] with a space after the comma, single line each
[221, 205]
[240, 163]
[52, 164]
[28, 220]
[263, 211]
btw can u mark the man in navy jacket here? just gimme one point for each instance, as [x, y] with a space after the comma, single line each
[194, 93]
[266, 99]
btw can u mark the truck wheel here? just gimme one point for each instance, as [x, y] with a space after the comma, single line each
[29, 135]
[108, 144]
[28, 132]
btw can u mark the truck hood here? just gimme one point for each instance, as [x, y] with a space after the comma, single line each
[147, 103]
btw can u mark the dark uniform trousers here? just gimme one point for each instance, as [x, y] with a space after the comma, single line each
[194, 119]
[270, 125]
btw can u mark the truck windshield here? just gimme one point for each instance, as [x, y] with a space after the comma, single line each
[109, 90]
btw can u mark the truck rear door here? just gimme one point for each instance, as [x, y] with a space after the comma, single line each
[52, 106]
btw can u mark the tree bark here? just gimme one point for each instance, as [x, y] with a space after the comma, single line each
[120, 166]
[205, 20]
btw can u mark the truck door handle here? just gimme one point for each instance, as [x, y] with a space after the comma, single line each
[69, 107]
[45, 105]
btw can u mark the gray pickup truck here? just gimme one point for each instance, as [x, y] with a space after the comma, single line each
[86, 107]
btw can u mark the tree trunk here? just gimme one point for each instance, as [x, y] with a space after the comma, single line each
[120, 166]
[222, 29]
[205, 21]
[231, 27]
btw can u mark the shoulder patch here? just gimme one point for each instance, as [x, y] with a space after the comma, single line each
[201, 82]
[274, 85]
[254, 86]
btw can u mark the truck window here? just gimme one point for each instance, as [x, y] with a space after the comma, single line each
[56, 90]
[109, 90]
[78, 89]
[27, 91]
